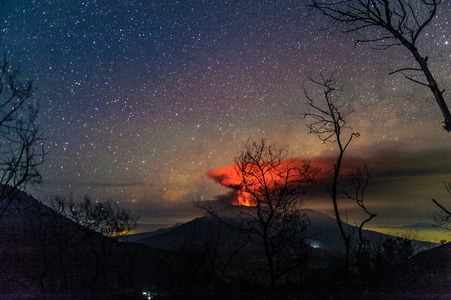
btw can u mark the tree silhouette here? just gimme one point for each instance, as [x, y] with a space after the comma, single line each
[442, 216]
[101, 224]
[274, 185]
[328, 122]
[21, 145]
[359, 179]
[389, 23]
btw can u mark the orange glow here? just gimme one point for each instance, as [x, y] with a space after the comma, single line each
[229, 177]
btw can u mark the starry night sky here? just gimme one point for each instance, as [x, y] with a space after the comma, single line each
[139, 99]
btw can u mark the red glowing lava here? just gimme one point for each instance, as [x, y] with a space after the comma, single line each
[287, 173]
[228, 177]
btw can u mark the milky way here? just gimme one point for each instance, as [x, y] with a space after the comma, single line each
[140, 99]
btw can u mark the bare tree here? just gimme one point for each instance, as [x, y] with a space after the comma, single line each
[388, 23]
[107, 218]
[359, 179]
[206, 258]
[21, 145]
[328, 122]
[100, 225]
[442, 216]
[274, 185]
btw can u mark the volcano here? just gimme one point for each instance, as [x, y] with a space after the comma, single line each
[322, 232]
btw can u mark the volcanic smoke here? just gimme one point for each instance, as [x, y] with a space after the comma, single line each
[230, 177]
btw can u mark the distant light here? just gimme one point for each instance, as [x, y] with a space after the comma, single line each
[149, 295]
[315, 245]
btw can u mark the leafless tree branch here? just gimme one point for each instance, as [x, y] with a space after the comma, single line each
[327, 122]
[21, 144]
[388, 23]
[274, 186]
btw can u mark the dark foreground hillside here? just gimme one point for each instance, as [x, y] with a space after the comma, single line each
[44, 255]
[427, 274]
[389, 268]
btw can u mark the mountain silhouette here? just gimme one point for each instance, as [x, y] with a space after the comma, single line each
[44, 255]
[322, 231]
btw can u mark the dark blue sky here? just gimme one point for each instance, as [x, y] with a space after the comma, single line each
[139, 99]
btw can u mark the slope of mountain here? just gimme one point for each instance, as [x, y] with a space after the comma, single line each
[136, 237]
[322, 232]
[426, 275]
[44, 255]
[421, 226]
[49, 256]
